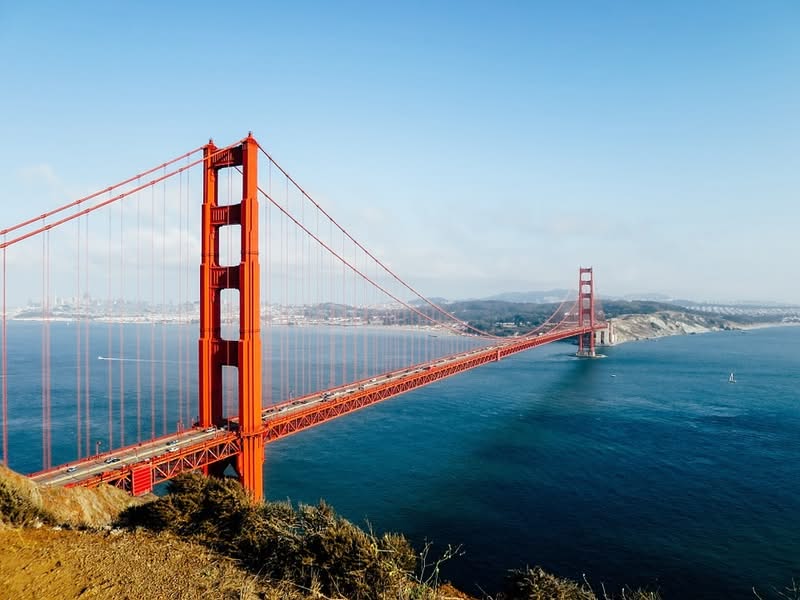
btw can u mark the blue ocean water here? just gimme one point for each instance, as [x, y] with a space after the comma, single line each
[644, 468]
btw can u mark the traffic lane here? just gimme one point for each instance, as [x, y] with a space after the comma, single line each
[125, 456]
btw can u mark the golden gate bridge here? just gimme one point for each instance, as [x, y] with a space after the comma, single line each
[126, 347]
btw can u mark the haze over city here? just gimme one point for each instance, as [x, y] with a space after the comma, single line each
[476, 148]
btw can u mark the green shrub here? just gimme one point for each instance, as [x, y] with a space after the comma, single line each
[18, 509]
[537, 584]
[311, 546]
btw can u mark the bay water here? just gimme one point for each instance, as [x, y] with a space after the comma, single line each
[646, 468]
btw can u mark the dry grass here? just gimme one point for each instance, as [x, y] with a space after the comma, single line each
[24, 502]
[537, 584]
[310, 546]
[43, 563]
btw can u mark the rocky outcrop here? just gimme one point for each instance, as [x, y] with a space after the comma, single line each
[628, 328]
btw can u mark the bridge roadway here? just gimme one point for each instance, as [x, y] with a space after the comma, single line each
[137, 468]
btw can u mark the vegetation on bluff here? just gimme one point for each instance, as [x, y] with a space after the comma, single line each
[206, 539]
[310, 546]
[315, 550]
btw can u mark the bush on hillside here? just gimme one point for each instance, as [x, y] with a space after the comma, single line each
[537, 584]
[16, 508]
[310, 546]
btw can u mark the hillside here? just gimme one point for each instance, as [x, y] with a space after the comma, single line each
[47, 563]
[207, 540]
[22, 501]
[665, 323]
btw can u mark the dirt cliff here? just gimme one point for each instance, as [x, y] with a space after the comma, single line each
[664, 323]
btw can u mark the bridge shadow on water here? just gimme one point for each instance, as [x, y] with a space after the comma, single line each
[512, 494]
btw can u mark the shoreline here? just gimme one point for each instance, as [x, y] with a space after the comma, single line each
[640, 327]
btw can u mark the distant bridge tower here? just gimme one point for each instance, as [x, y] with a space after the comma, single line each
[586, 341]
[243, 353]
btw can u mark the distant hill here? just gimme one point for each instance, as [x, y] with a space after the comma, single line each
[435, 299]
[545, 297]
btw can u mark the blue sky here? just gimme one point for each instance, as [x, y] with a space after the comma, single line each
[477, 147]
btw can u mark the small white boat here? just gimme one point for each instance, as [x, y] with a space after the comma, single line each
[732, 378]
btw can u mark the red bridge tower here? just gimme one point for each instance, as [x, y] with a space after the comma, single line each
[243, 353]
[586, 312]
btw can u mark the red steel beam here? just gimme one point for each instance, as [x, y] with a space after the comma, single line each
[168, 465]
[228, 444]
[276, 427]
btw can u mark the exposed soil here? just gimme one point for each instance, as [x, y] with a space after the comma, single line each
[46, 563]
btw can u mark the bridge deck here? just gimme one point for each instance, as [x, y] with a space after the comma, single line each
[137, 468]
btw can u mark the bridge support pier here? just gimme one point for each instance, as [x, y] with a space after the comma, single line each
[586, 341]
[215, 351]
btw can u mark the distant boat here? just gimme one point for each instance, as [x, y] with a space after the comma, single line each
[732, 378]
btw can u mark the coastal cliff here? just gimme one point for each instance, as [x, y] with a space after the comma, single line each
[627, 328]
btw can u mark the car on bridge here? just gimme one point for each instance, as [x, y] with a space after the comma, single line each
[111, 459]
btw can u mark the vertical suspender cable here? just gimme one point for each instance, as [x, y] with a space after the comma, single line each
[87, 404]
[302, 279]
[320, 302]
[286, 352]
[153, 306]
[354, 305]
[331, 270]
[5, 361]
[164, 427]
[109, 328]
[290, 367]
[138, 325]
[78, 353]
[49, 363]
[267, 335]
[291, 276]
[179, 277]
[122, 305]
[344, 318]
[46, 451]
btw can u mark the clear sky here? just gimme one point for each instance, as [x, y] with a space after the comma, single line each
[478, 147]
